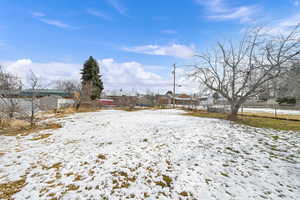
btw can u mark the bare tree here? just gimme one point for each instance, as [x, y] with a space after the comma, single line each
[69, 86]
[237, 71]
[289, 84]
[34, 84]
[9, 85]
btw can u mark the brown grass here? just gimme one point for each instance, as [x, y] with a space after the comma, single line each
[72, 187]
[40, 137]
[101, 156]
[14, 123]
[55, 166]
[128, 109]
[71, 110]
[121, 179]
[26, 130]
[255, 121]
[7, 190]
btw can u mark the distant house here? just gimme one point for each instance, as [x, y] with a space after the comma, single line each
[52, 102]
[45, 92]
[124, 100]
[180, 99]
[146, 100]
[106, 102]
[206, 100]
[184, 99]
[9, 93]
[163, 99]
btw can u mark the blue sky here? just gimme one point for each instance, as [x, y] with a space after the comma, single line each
[139, 39]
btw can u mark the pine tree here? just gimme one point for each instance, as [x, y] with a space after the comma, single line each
[91, 76]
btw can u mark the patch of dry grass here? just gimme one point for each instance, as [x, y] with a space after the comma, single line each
[255, 121]
[277, 124]
[72, 187]
[55, 166]
[7, 190]
[121, 180]
[128, 109]
[26, 130]
[40, 137]
[71, 110]
[207, 114]
[101, 156]
[14, 123]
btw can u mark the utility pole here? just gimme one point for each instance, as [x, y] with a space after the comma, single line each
[174, 79]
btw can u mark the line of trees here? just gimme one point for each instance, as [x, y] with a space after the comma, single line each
[8, 84]
[10, 106]
[89, 88]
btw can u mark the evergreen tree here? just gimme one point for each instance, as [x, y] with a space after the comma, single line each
[91, 75]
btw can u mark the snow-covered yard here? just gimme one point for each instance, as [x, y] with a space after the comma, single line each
[152, 155]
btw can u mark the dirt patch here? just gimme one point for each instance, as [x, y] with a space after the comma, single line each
[7, 190]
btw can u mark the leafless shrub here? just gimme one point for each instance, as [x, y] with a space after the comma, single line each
[9, 86]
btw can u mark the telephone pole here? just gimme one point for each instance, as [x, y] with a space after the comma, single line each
[174, 79]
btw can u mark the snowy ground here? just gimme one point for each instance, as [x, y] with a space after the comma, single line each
[153, 155]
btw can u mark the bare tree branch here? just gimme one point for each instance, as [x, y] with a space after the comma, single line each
[238, 71]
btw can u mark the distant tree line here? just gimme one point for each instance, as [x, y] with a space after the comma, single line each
[89, 88]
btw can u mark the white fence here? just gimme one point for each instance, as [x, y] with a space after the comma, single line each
[24, 105]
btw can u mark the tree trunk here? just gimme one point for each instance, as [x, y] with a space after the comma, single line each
[234, 109]
[11, 114]
[32, 112]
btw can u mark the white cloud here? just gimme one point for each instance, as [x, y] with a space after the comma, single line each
[48, 72]
[116, 75]
[130, 75]
[41, 17]
[169, 31]
[176, 50]
[216, 6]
[283, 26]
[38, 14]
[118, 6]
[100, 14]
[185, 84]
[56, 23]
[222, 11]
[291, 21]
[243, 13]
